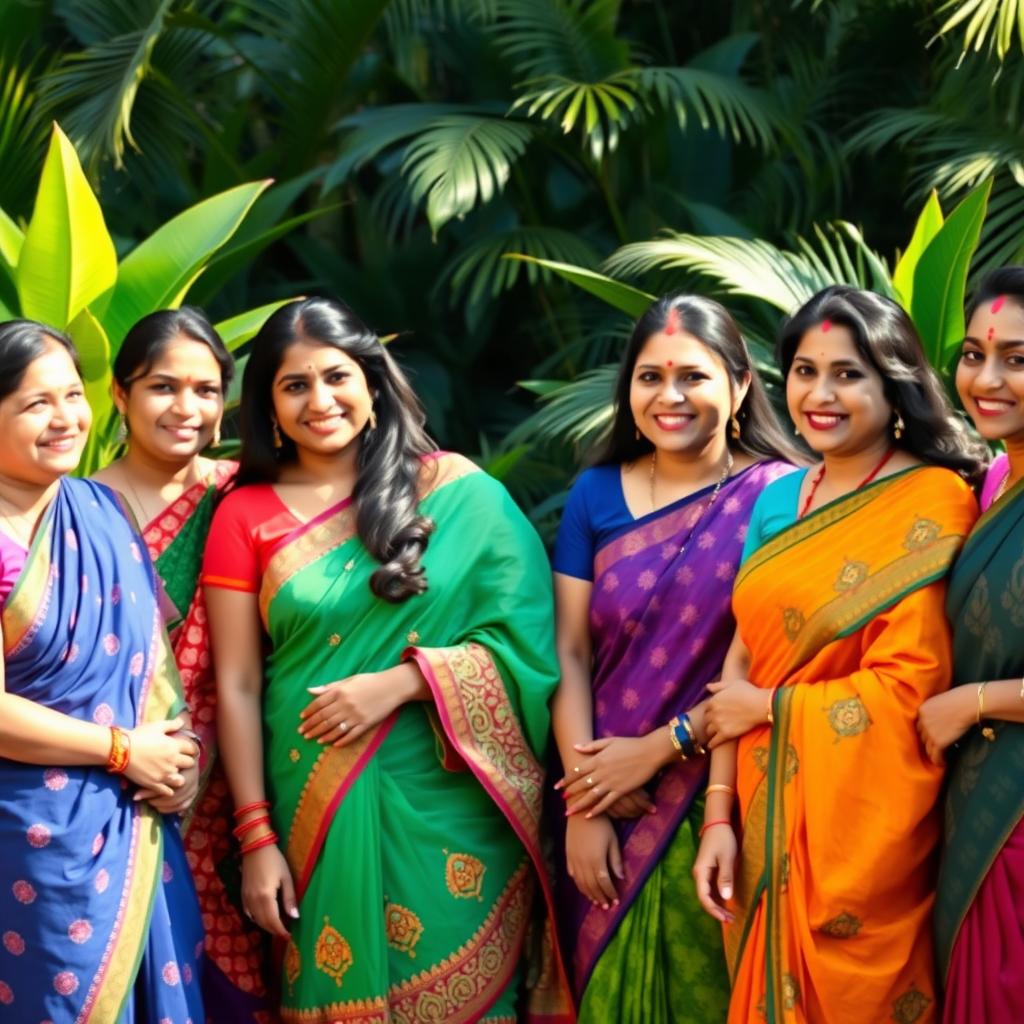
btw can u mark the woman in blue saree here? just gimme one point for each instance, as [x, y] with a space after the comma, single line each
[98, 915]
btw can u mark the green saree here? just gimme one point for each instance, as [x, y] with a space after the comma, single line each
[415, 850]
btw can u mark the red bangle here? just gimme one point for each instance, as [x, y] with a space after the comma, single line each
[120, 750]
[263, 819]
[258, 844]
[708, 824]
[256, 805]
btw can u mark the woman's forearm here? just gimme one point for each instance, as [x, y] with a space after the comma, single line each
[240, 741]
[719, 803]
[34, 734]
[572, 710]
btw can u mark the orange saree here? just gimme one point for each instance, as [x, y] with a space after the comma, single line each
[843, 612]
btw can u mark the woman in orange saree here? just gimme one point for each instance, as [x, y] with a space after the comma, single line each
[842, 636]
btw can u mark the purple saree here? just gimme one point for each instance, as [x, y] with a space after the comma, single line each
[661, 623]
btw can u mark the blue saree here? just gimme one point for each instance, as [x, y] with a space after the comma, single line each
[98, 915]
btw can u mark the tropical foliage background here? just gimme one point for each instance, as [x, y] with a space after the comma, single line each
[752, 150]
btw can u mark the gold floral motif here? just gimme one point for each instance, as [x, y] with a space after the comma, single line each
[842, 926]
[334, 639]
[790, 991]
[851, 576]
[784, 873]
[294, 755]
[792, 765]
[760, 756]
[412, 636]
[464, 876]
[403, 928]
[910, 1006]
[292, 963]
[922, 534]
[792, 622]
[848, 717]
[333, 953]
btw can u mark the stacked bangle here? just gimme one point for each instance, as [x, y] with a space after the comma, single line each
[256, 805]
[263, 819]
[120, 750]
[709, 824]
[257, 844]
[239, 831]
[684, 738]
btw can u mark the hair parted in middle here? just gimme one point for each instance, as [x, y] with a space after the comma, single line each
[713, 326]
[390, 455]
[886, 337]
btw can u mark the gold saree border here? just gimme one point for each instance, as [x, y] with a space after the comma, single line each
[312, 541]
[460, 988]
[29, 600]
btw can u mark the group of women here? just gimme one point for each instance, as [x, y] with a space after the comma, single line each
[274, 734]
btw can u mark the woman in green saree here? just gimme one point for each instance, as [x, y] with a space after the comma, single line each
[383, 758]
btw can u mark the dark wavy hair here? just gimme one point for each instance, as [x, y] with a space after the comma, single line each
[149, 337]
[390, 455]
[709, 322]
[1008, 281]
[886, 338]
[22, 342]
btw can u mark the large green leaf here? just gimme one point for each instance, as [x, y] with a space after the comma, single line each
[11, 240]
[94, 354]
[67, 261]
[236, 331]
[940, 278]
[929, 222]
[158, 273]
[624, 297]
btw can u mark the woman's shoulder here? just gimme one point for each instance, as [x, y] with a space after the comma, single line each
[248, 503]
[780, 479]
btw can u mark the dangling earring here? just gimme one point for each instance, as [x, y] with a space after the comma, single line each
[734, 427]
[637, 432]
[898, 427]
[796, 431]
[122, 428]
[215, 440]
[277, 436]
[373, 418]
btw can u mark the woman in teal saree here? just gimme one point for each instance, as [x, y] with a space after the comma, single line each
[403, 700]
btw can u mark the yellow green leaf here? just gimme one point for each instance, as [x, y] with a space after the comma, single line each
[927, 227]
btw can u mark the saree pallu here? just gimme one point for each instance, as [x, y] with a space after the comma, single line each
[843, 611]
[234, 980]
[979, 935]
[97, 908]
[415, 850]
[661, 623]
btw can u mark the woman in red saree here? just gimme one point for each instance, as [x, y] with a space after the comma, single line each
[170, 377]
[840, 638]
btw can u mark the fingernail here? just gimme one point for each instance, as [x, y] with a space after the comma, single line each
[604, 906]
[557, 785]
[653, 810]
[615, 903]
[293, 912]
[726, 892]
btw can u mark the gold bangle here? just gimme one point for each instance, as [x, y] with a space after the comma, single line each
[719, 787]
[1021, 694]
[675, 740]
[981, 703]
[688, 726]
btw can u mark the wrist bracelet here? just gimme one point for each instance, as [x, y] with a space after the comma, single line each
[250, 825]
[673, 733]
[986, 731]
[192, 735]
[120, 750]
[256, 805]
[720, 787]
[711, 824]
[258, 844]
[770, 715]
[696, 748]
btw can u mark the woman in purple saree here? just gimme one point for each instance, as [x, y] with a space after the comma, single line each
[644, 564]
[98, 915]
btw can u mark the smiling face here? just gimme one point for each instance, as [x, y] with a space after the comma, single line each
[680, 395]
[45, 422]
[835, 395]
[173, 409]
[990, 373]
[321, 398]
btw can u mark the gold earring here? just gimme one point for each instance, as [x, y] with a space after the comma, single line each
[373, 418]
[277, 436]
[898, 427]
[734, 427]
[637, 432]
[122, 428]
[215, 440]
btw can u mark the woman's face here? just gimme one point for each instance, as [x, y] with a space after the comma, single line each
[173, 410]
[990, 373]
[834, 395]
[680, 395]
[45, 422]
[321, 398]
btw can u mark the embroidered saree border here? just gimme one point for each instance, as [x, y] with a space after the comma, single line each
[459, 989]
[332, 775]
[473, 706]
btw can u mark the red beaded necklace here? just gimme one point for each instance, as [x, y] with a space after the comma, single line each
[821, 476]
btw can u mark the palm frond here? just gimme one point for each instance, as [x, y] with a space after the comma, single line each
[757, 269]
[577, 412]
[461, 160]
[994, 24]
[22, 134]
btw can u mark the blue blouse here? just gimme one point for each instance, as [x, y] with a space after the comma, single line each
[777, 507]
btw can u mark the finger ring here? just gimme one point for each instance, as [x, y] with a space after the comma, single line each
[590, 780]
[576, 769]
[343, 726]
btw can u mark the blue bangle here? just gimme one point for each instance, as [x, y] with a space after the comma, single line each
[686, 737]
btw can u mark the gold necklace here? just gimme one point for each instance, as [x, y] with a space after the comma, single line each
[18, 535]
[710, 502]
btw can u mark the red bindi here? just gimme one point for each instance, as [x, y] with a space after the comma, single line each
[998, 304]
[826, 326]
[991, 333]
[672, 321]
[669, 363]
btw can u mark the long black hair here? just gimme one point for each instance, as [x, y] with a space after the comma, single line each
[886, 338]
[149, 337]
[1008, 281]
[22, 342]
[709, 322]
[390, 454]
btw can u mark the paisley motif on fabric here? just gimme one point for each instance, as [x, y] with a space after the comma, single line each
[848, 717]
[842, 926]
[333, 954]
[910, 1006]
[403, 928]
[464, 876]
